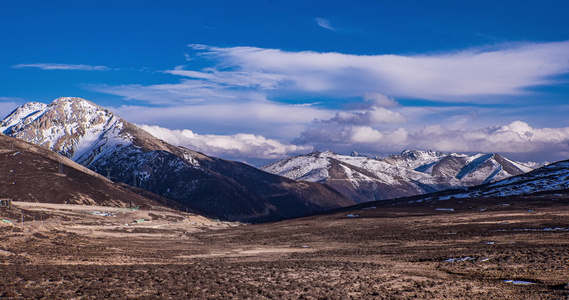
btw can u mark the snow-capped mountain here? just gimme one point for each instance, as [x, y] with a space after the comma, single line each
[414, 172]
[109, 145]
[73, 127]
[469, 169]
[549, 178]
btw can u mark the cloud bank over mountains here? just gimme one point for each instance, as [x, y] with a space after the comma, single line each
[241, 82]
[270, 103]
[236, 146]
[516, 137]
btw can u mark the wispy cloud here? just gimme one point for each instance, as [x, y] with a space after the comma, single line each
[456, 76]
[260, 80]
[241, 73]
[324, 23]
[261, 117]
[12, 99]
[52, 66]
[186, 92]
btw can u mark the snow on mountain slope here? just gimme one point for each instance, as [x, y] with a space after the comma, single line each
[73, 127]
[421, 161]
[410, 173]
[387, 171]
[469, 170]
[360, 178]
[553, 177]
[311, 167]
[22, 115]
[105, 143]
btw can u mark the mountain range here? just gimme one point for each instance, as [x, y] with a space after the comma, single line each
[91, 140]
[105, 143]
[412, 172]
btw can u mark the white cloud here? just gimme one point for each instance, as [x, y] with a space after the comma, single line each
[504, 70]
[235, 146]
[6, 107]
[380, 100]
[324, 24]
[5, 99]
[347, 138]
[375, 115]
[363, 134]
[265, 81]
[261, 117]
[51, 66]
[249, 75]
[514, 138]
[371, 111]
[187, 92]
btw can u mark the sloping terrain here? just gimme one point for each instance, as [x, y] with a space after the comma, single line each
[34, 174]
[548, 184]
[415, 172]
[484, 248]
[103, 142]
[545, 180]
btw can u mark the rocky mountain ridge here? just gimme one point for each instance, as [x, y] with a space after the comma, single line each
[412, 172]
[550, 178]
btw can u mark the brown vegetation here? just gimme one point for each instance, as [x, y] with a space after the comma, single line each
[387, 252]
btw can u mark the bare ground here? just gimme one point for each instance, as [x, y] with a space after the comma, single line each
[482, 249]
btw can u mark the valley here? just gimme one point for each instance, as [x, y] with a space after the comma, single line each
[507, 248]
[96, 207]
[271, 150]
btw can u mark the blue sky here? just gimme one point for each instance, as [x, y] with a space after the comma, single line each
[259, 80]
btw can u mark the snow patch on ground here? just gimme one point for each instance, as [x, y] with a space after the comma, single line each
[519, 282]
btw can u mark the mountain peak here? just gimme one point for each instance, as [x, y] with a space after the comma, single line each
[356, 154]
[76, 105]
[32, 106]
[323, 154]
[421, 153]
[69, 99]
[71, 126]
